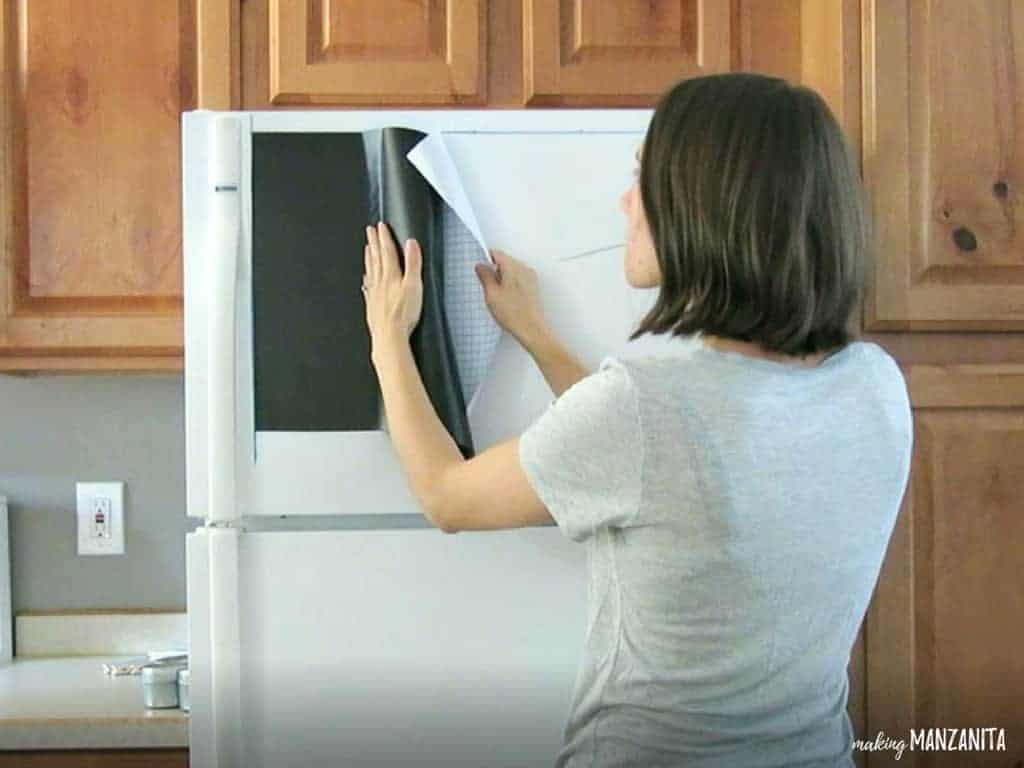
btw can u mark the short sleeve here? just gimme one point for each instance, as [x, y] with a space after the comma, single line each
[584, 455]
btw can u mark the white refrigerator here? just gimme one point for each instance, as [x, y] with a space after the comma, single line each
[329, 623]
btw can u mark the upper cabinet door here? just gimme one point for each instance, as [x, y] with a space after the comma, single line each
[377, 51]
[90, 195]
[944, 162]
[619, 52]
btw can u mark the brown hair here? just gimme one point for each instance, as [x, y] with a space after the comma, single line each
[756, 214]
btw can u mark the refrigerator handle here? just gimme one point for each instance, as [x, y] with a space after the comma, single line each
[221, 281]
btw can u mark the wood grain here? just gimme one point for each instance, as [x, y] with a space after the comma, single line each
[90, 201]
[941, 156]
[218, 60]
[768, 37]
[413, 28]
[505, 53]
[101, 122]
[953, 565]
[580, 52]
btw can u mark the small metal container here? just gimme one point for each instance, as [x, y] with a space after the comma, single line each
[160, 685]
[183, 682]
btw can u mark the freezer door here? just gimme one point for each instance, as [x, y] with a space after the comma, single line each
[388, 648]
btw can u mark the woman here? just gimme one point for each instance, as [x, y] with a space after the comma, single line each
[738, 496]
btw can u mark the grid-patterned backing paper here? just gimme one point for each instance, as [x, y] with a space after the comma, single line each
[474, 332]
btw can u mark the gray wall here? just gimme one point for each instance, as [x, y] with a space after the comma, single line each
[56, 430]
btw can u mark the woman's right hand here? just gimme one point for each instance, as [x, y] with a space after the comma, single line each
[513, 297]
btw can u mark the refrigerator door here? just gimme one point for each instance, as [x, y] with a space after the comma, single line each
[383, 647]
[544, 185]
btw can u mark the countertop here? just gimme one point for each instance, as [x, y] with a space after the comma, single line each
[69, 703]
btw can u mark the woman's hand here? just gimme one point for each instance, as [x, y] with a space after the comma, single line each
[513, 297]
[393, 301]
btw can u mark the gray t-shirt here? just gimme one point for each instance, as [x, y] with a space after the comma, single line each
[736, 512]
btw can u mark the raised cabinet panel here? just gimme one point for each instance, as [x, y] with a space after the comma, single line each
[83, 240]
[944, 162]
[948, 609]
[91, 189]
[377, 51]
[415, 28]
[619, 52]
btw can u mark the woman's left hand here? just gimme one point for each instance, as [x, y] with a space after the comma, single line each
[393, 301]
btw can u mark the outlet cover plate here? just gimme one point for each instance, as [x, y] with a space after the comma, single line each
[87, 496]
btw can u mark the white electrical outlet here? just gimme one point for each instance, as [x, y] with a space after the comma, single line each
[100, 515]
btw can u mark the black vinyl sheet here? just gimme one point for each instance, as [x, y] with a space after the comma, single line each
[311, 204]
[413, 209]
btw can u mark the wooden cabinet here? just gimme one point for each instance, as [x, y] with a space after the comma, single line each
[943, 640]
[515, 53]
[943, 159]
[380, 52]
[942, 145]
[90, 267]
[90, 207]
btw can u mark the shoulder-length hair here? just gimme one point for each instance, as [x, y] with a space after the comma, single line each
[756, 214]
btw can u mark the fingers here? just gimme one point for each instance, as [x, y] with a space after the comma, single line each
[388, 251]
[371, 257]
[383, 258]
[507, 265]
[503, 263]
[486, 277]
[413, 261]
